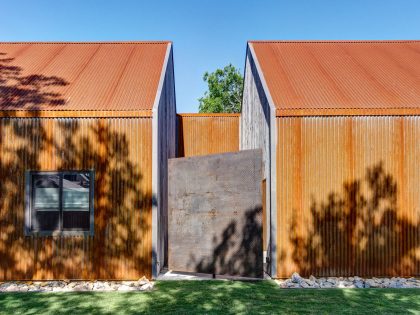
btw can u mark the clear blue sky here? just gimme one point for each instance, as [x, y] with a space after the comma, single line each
[207, 34]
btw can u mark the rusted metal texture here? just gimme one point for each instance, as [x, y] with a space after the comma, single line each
[120, 152]
[201, 134]
[109, 76]
[341, 77]
[348, 195]
[215, 214]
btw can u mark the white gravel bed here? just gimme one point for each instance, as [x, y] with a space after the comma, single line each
[296, 281]
[73, 286]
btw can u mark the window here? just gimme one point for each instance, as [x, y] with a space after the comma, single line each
[59, 202]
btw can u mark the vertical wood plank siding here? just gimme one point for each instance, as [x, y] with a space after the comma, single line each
[119, 150]
[256, 133]
[348, 196]
[166, 149]
[207, 134]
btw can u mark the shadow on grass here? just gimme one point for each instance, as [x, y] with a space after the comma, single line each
[216, 297]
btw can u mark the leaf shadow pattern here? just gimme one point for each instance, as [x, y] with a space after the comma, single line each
[358, 232]
[238, 250]
[120, 217]
[18, 91]
[119, 248]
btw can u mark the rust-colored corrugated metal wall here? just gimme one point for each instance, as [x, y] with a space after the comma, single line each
[348, 196]
[119, 149]
[201, 134]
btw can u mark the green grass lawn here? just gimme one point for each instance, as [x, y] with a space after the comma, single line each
[217, 297]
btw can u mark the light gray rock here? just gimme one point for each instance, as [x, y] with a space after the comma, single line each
[333, 281]
[147, 286]
[72, 285]
[395, 284]
[372, 283]
[125, 287]
[128, 283]
[296, 278]
[12, 288]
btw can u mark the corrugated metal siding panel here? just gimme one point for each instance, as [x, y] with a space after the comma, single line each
[332, 219]
[341, 74]
[120, 152]
[80, 76]
[212, 134]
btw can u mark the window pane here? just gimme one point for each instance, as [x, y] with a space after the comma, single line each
[46, 202]
[76, 220]
[76, 215]
[46, 221]
[46, 192]
[76, 192]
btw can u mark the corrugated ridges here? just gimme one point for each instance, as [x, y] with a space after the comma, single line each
[341, 74]
[319, 159]
[203, 134]
[114, 76]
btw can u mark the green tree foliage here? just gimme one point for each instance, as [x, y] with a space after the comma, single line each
[224, 93]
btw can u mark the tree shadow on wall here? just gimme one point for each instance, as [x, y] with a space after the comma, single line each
[121, 221]
[20, 144]
[358, 232]
[238, 250]
[122, 207]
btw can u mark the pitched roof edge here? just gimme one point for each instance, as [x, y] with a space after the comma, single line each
[85, 42]
[162, 78]
[262, 78]
[355, 41]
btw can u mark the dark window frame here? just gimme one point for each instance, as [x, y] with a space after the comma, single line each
[29, 211]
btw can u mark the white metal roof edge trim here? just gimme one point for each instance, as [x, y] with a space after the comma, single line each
[162, 78]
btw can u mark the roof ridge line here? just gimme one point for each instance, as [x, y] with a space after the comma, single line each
[85, 42]
[355, 41]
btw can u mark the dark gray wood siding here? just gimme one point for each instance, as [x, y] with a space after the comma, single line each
[255, 133]
[165, 137]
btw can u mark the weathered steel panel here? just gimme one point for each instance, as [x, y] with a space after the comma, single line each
[113, 76]
[119, 150]
[329, 76]
[348, 196]
[215, 214]
[202, 134]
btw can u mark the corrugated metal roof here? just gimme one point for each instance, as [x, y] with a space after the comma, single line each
[113, 76]
[372, 75]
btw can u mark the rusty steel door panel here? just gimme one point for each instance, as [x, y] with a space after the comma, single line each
[215, 214]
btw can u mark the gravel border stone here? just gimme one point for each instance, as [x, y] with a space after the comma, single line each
[297, 282]
[142, 284]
